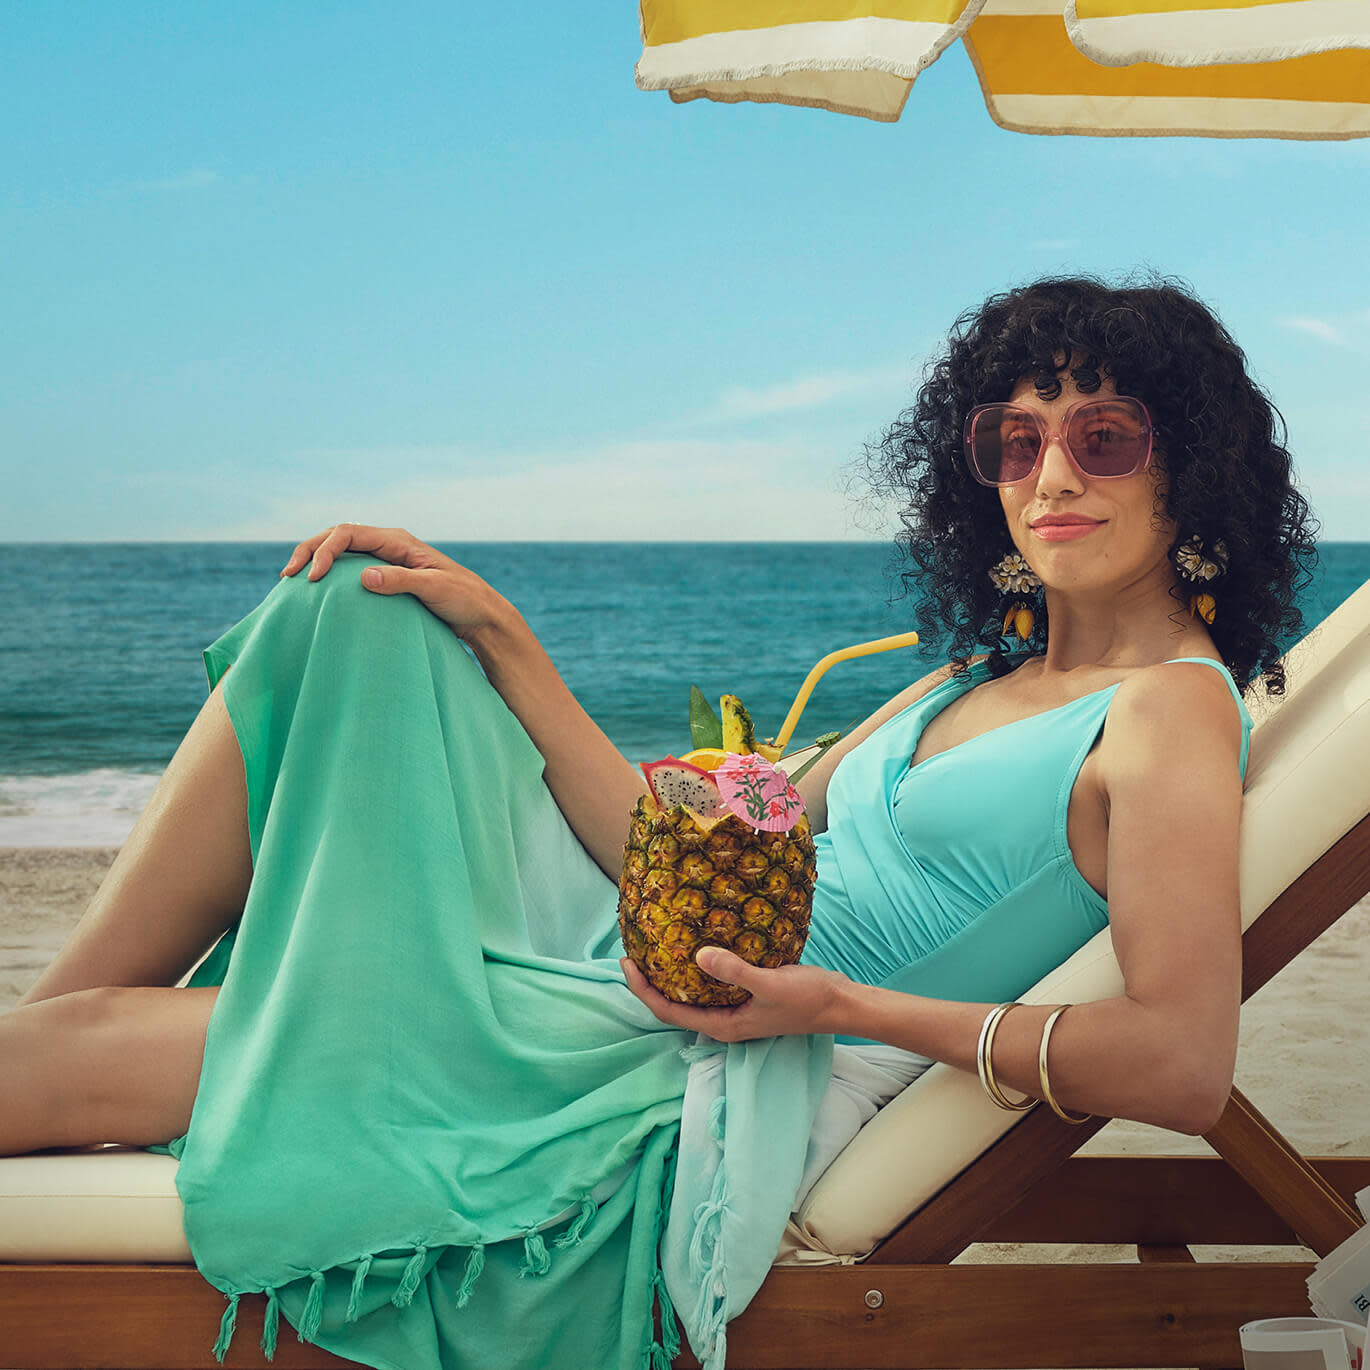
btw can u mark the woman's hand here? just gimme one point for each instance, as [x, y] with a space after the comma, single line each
[457, 596]
[787, 1000]
[592, 783]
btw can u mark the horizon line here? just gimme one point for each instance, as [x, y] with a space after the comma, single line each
[525, 542]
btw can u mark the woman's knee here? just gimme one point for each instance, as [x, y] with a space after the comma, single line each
[102, 1011]
[338, 609]
[121, 1052]
[83, 1034]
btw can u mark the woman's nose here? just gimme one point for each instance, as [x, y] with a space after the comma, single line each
[1057, 474]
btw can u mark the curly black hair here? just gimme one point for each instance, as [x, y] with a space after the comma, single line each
[1221, 440]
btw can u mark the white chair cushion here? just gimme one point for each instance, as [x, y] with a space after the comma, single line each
[113, 1205]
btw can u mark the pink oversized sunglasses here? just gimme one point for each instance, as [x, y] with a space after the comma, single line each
[1104, 439]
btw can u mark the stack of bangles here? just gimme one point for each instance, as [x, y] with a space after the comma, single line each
[984, 1062]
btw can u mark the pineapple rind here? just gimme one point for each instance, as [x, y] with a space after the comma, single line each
[689, 883]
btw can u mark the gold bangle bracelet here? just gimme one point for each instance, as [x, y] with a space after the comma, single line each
[986, 1029]
[1044, 1079]
[985, 1064]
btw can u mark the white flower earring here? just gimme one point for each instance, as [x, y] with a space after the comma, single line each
[1192, 565]
[1011, 575]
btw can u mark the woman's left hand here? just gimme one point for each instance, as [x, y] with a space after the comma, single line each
[786, 1000]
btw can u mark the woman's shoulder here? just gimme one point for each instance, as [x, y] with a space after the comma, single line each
[1173, 707]
[906, 698]
[926, 684]
[1181, 681]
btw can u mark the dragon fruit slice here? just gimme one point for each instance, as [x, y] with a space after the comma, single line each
[674, 782]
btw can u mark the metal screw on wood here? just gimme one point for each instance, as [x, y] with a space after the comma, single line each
[874, 1298]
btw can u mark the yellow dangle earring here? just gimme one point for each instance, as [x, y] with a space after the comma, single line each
[1012, 575]
[1192, 565]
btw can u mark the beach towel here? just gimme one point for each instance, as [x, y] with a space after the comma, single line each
[434, 1127]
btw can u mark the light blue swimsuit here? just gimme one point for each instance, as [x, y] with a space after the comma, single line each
[941, 878]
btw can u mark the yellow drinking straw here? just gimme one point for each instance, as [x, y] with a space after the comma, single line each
[880, 644]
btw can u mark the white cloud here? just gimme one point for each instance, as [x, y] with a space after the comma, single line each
[807, 392]
[665, 491]
[745, 401]
[1318, 328]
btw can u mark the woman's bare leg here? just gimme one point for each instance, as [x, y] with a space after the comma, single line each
[179, 881]
[101, 1065]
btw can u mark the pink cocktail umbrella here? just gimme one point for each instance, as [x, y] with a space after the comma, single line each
[758, 792]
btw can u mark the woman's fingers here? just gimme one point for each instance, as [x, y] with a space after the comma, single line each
[726, 965]
[677, 1015]
[390, 544]
[347, 537]
[722, 1024]
[300, 557]
[457, 596]
[785, 1000]
[427, 585]
[461, 599]
[322, 550]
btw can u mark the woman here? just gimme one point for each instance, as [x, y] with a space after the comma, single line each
[1130, 558]
[422, 1057]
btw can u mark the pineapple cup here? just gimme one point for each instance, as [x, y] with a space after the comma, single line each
[698, 874]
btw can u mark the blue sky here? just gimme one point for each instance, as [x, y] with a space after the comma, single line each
[264, 267]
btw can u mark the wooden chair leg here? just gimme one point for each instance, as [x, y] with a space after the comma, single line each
[1154, 1253]
[1254, 1148]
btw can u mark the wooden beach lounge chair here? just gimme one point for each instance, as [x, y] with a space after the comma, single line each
[94, 1270]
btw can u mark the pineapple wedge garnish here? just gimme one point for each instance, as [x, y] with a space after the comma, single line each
[739, 735]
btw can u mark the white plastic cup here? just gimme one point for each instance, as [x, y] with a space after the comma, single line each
[1302, 1344]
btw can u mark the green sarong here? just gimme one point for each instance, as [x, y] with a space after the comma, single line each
[433, 1126]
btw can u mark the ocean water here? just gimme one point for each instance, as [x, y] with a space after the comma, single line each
[101, 674]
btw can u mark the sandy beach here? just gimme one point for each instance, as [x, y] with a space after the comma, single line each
[1304, 1041]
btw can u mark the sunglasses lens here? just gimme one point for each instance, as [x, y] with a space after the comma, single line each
[1004, 443]
[1105, 438]
[1109, 437]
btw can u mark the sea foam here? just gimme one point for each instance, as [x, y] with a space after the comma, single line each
[83, 809]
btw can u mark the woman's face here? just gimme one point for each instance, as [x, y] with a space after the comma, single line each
[1081, 533]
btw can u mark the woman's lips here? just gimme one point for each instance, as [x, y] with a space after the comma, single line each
[1064, 532]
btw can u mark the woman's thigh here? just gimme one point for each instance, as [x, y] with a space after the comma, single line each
[114, 1064]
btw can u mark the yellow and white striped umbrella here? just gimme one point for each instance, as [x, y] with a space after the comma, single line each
[1222, 68]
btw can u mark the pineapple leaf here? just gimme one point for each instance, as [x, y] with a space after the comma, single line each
[705, 728]
[821, 745]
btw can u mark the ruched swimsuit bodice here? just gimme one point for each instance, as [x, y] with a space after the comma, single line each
[954, 878]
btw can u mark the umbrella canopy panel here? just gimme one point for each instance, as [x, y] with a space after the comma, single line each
[1263, 68]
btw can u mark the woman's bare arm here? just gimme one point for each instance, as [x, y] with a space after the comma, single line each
[593, 784]
[1163, 1051]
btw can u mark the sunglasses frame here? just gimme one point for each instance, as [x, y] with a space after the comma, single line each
[1055, 432]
